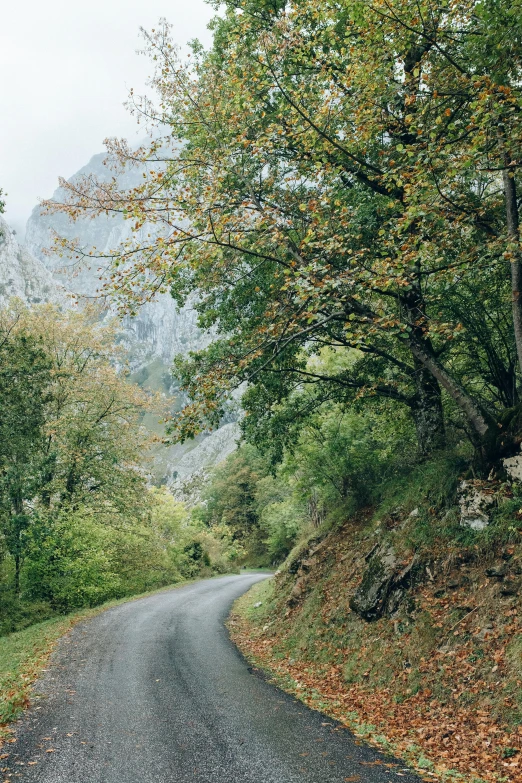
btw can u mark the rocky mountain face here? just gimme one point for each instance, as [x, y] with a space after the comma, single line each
[153, 337]
[159, 330]
[23, 276]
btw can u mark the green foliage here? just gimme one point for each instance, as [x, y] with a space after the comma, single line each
[25, 376]
[431, 484]
[229, 501]
[69, 562]
[337, 175]
[338, 461]
[343, 456]
[283, 515]
[78, 524]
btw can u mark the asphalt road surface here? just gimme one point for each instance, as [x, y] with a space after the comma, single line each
[153, 691]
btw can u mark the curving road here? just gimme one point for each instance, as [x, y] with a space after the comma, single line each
[153, 691]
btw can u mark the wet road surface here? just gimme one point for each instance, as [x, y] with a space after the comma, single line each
[153, 691]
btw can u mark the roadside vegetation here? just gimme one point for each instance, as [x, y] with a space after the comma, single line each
[425, 663]
[79, 521]
[334, 187]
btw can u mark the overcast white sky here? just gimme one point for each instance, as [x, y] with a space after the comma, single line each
[66, 68]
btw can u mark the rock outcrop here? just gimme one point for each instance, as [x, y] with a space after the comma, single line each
[475, 500]
[159, 330]
[385, 584]
[23, 276]
[513, 467]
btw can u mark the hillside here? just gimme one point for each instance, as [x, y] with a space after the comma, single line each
[404, 623]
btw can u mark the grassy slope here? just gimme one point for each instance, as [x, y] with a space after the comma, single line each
[23, 655]
[440, 682]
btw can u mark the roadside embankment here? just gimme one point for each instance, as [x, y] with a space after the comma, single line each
[416, 648]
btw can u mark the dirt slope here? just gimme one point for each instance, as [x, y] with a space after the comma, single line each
[437, 679]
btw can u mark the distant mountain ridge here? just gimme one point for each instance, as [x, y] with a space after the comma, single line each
[158, 330]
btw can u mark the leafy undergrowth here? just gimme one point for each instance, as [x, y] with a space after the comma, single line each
[438, 684]
[24, 655]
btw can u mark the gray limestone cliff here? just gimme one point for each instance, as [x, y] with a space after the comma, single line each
[153, 337]
[23, 276]
[159, 330]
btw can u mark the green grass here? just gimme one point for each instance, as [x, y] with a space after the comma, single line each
[431, 483]
[262, 593]
[22, 657]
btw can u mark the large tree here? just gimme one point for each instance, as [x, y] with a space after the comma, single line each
[95, 446]
[70, 435]
[334, 174]
[25, 376]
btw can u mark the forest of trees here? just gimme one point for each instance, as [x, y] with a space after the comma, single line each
[338, 183]
[335, 186]
[79, 520]
[340, 178]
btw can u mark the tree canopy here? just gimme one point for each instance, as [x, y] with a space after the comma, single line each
[337, 175]
[79, 519]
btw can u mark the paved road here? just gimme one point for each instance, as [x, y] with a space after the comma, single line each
[153, 691]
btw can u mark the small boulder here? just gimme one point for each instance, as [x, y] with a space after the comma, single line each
[384, 585]
[308, 565]
[509, 588]
[497, 572]
[513, 467]
[474, 504]
[297, 592]
[304, 554]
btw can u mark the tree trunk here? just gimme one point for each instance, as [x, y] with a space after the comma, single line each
[479, 421]
[513, 231]
[18, 564]
[427, 412]
[18, 508]
[491, 439]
